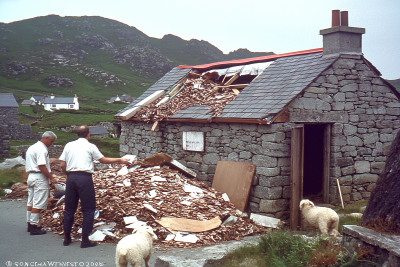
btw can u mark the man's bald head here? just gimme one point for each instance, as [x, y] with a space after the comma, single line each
[83, 131]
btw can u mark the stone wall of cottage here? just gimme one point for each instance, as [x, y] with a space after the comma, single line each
[9, 117]
[266, 146]
[365, 119]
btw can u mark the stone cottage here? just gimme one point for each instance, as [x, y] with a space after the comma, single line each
[308, 120]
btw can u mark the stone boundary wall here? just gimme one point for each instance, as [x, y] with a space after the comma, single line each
[4, 142]
[382, 246]
[22, 132]
[54, 150]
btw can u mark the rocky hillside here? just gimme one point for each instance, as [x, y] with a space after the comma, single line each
[93, 57]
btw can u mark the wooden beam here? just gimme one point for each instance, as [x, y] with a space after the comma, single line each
[282, 117]
[240, 86]
[175, 89]
[154, 126]
[231, 80]
[130, 112]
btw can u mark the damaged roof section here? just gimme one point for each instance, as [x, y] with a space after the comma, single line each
[250, 90]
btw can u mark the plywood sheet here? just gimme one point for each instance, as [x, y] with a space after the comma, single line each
[234, 178]
[188, 225]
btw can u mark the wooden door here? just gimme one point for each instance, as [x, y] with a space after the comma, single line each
[296, 174]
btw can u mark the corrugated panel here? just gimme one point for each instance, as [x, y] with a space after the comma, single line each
[250, 60]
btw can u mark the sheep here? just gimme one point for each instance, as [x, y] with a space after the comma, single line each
[135, 247]
[324, 219]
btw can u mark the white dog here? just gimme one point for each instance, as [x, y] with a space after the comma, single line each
[324, 219]
[135, 248]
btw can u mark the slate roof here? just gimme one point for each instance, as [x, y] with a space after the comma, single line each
[27, 102]
[265, 96]
[59, 100]
[8, 101]
[38, 97]
[95, 130]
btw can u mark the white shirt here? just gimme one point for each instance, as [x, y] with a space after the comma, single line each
[36, 155]
[79, 155]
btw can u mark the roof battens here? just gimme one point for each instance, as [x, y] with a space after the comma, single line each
[340, 38]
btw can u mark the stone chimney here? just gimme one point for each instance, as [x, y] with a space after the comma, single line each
[341, 39]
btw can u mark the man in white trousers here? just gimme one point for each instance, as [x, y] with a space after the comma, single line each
[39, 180]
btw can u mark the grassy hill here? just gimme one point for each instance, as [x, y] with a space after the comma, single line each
[93, 57]
[395, 83]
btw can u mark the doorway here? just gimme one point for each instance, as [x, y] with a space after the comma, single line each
[310, 166]
[313, 162]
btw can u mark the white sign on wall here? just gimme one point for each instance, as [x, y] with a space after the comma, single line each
[193, 141]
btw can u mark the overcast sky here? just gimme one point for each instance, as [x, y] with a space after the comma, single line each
[279, 26]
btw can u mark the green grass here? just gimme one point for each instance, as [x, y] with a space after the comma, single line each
[8, 177]
[282, 248]
[108, 146]
[352, 208]
[22, 142]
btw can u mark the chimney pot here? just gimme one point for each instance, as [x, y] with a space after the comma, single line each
[340, 38]
[344, 18]
[335, 18]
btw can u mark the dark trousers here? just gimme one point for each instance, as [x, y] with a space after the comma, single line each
[79, 186]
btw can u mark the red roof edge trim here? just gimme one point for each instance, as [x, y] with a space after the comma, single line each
[250, 60]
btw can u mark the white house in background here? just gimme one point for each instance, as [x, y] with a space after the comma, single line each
[54, 103]
[117, 99]
[37, 99]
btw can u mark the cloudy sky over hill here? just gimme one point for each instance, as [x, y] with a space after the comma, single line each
[259, 25]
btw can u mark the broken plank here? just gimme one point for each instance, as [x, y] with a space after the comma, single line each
[189, 225]
[130, 112]
[181, 167]
[154, 126]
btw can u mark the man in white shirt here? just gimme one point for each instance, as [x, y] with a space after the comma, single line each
[38, 167]
[77, 159]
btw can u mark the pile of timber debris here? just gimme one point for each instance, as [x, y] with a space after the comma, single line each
[134, 196]
[195, 91]
[18, 190]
